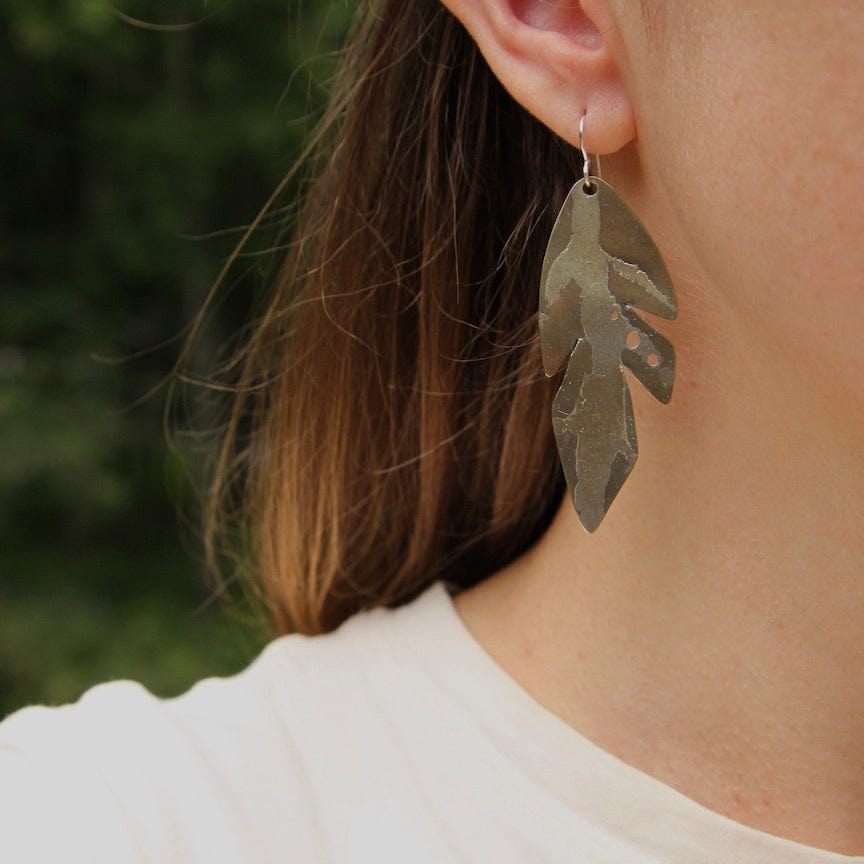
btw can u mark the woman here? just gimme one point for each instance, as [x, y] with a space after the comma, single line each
[682, 684]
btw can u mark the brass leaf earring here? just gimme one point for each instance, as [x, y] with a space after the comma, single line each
[600, 263]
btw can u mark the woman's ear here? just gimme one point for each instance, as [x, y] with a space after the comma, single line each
[558, 59]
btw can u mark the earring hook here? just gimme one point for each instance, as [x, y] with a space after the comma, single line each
[586, 159]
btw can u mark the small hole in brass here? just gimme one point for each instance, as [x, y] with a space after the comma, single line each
[633, 339]
[653, 359]
[590, 189]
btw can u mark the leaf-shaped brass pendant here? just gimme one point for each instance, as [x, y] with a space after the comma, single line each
[600, 263]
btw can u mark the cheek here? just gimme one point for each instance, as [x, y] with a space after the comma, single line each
[756, 156]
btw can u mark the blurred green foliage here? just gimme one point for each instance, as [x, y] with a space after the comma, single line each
[137, 140]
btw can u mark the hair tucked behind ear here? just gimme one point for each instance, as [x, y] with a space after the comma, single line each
[393, 421]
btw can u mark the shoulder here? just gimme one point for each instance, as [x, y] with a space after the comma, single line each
[232, 768]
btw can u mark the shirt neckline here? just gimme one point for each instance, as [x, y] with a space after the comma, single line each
[624, 801]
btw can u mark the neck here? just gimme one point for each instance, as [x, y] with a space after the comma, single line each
[709, 632]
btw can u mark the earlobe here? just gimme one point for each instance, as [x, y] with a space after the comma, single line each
[558, 59]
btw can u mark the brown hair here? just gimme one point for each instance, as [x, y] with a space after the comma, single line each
[393, 421]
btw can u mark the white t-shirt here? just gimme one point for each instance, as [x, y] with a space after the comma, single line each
[394, 739]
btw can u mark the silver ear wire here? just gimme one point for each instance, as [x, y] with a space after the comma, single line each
[586, 159]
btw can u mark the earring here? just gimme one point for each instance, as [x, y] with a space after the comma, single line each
[600, 263]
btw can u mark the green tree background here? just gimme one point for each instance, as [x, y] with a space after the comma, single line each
[138, 138]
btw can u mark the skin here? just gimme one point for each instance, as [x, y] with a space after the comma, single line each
[711, 632]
